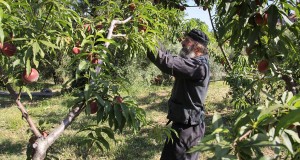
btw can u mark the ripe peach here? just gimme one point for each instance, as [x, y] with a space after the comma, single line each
[87, 27]
[31, 77]
[93, 107]
[95, 61]
[119, 99]
[259, 19]
[76, 50]
[263, 66]
[8, 49]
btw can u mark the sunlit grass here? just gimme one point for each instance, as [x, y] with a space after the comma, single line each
[48, 112]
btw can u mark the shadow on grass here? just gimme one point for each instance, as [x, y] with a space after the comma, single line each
[224, 109]
[77, 142]
[8, 147]
[158, 102]
[139, 147]
[7, 101]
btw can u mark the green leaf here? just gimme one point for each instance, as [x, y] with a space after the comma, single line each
[87, 2]
[202, 148]
[220, 151]
[288, 119]
[1, 34]
[87, 92]
[100, 114]
[16, 62]
[287, 142]
[273, 16]
[260, 137]
[82, 65]
[28, 67]
[297, 104]
[125, 111]
[217, 121]
[208, 138]
[103, 142]
[99, 146]
[293, 134]
[35, 47]
[25, 89]
[100, 100]
[294, 99]
[35, 50]
[49, 44]
[6, 5]
[109, 132]
[118, 113]
[265, 158]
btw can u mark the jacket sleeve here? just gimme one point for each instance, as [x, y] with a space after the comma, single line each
[188, 68]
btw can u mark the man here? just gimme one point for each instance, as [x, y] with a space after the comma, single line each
[186, 104]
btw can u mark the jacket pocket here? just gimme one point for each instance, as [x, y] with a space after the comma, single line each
[178, 113]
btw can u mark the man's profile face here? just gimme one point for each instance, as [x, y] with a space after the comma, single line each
[187, 50]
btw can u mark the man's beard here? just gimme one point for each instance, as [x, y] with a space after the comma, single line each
[187, 52]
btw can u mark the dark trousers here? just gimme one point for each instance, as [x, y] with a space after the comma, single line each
[188, 136]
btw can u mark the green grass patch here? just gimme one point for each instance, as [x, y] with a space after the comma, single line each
[48, 113]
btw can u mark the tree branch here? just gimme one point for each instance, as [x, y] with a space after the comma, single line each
[244, 136]
[119, 35]
[42, 144]
[21, 107]
[112, 26]
[219, 44]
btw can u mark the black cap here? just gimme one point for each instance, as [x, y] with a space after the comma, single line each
[198, 36]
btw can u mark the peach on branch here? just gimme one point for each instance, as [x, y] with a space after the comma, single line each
[76, 50]
[87, 27]
[132, 6]
[31, 77]
[263, 66]
[95, 60]
[119, 99]
[93, 107]
[259, 20]
[8, 49]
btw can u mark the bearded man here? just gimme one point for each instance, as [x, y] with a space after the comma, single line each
[186, 104]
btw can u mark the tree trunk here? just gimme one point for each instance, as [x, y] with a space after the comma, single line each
[43, 143]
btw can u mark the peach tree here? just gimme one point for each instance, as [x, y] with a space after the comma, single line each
[35, 34]
[262, 37]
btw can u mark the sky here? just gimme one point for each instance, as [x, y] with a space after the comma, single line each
[197, 12]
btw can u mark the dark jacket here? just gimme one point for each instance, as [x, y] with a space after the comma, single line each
[186, 104]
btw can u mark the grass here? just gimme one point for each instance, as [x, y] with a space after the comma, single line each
[48, 112]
